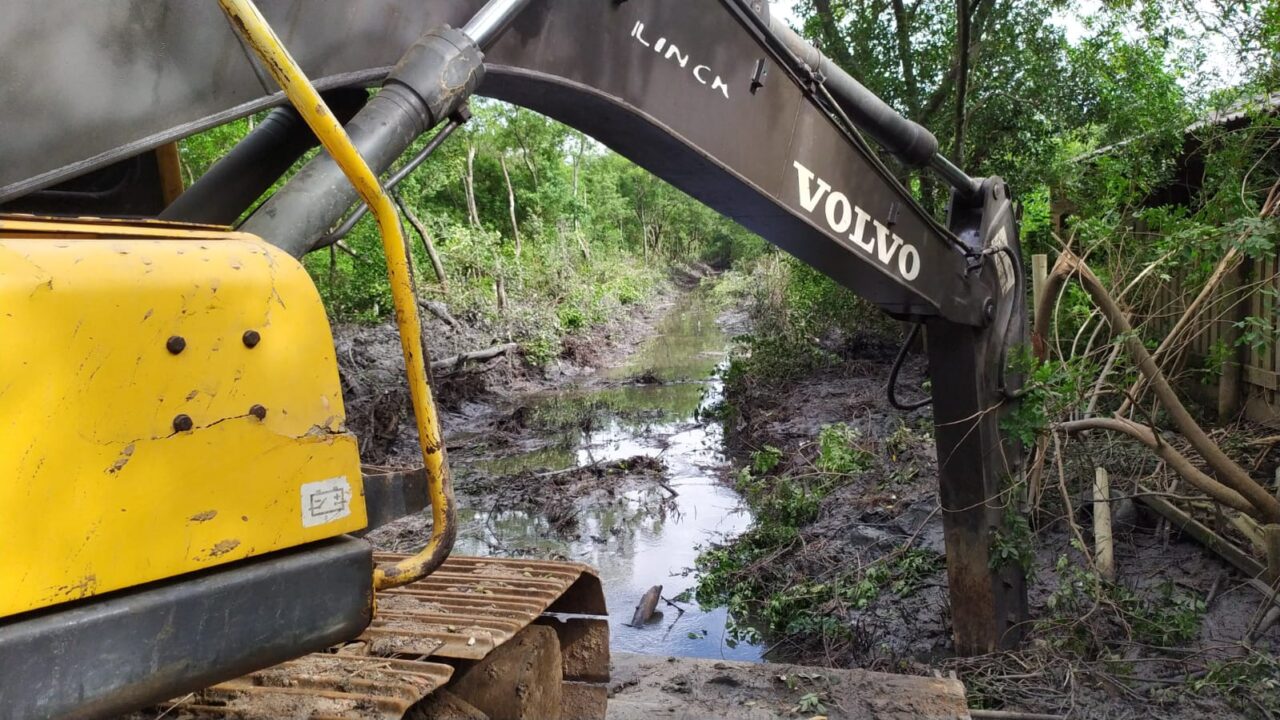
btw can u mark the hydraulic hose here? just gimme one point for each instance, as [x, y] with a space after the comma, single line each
[350, 222]
[892, 389]
[908, 140]
[431, 82]
[239, 178]
[258, 35]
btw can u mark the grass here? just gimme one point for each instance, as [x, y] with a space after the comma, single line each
[746, 574]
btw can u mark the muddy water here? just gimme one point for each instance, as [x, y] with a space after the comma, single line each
[641, 535]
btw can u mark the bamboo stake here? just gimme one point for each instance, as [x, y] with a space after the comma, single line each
[1104, 548]
[1271, 538]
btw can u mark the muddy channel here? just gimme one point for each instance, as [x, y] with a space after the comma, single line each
[616, 468]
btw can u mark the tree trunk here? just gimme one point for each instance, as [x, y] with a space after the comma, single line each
[468, 184]
[577, 161]
[833, 45]
[962, 77]
[500, 290]
[577, 228]
[902, 31]
[511, 203]
[499, 281]
[427, 242]
[524, 152]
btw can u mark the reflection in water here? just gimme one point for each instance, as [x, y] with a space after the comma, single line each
[640, 537]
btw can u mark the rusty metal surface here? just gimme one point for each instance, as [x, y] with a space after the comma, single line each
[977, 460]
[320, 685]
[470, 605]
[462, 612]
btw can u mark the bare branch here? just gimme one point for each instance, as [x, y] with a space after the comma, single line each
[1267, 507]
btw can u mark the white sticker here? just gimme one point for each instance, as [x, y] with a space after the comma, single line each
[324, 501]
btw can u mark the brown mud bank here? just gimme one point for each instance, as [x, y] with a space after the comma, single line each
[856, 577]
[468, 394]
[505, 448]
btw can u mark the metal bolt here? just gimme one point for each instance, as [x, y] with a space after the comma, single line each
[259, 412]
[251, 338]
[182, 423]
[176, 344]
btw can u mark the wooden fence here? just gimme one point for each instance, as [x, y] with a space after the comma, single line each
[1218, 369]
[1224, 372]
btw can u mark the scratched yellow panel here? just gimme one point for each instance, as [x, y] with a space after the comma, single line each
[98, 490]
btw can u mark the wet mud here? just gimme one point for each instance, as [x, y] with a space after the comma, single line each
[611, 457]
[1164, 577]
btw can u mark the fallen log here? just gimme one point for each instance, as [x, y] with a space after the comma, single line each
[1012, 715]
[441, 311]
[457, 361]
[1176, 460]
[1207, 537]
[1230, 475]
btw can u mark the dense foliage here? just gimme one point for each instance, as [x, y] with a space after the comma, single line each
[540, 231]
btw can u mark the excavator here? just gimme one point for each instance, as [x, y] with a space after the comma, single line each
[180, 499]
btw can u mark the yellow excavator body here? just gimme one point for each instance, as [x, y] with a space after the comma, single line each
[154, 417]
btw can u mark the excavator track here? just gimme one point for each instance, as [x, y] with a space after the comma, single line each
[420, 635]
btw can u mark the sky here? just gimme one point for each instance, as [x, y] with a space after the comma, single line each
[787, 9]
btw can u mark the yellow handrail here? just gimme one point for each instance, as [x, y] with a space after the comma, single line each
[253, 27]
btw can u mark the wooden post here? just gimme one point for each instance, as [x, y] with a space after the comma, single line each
[1104, 553]
[1039, 273]
[1271, 536]
[169, 163]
